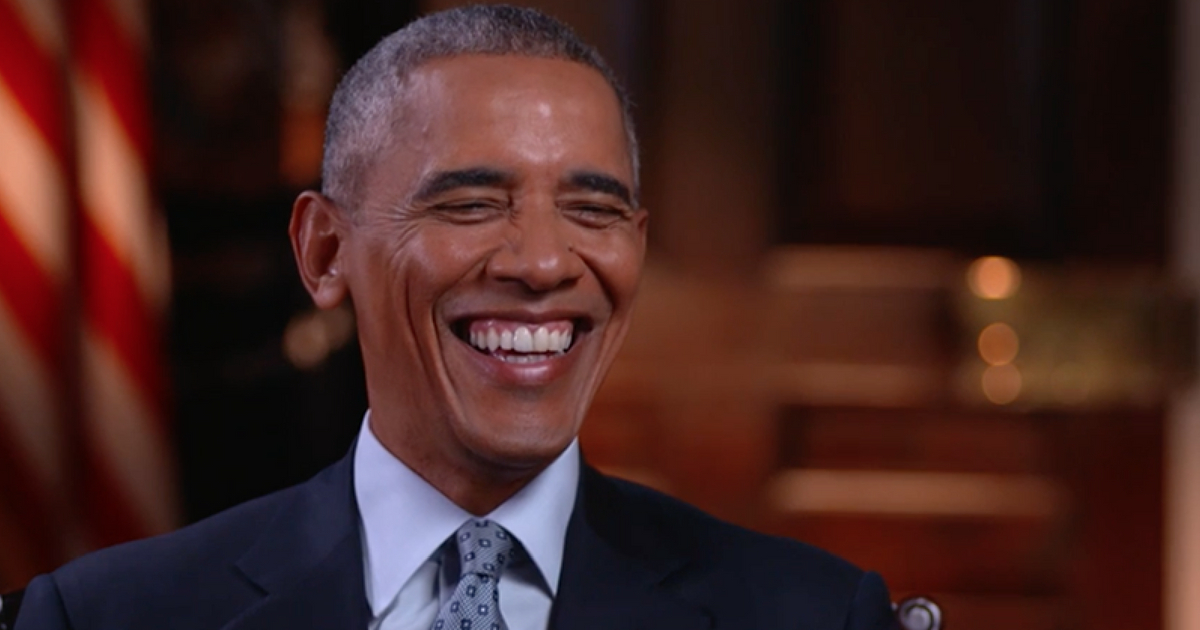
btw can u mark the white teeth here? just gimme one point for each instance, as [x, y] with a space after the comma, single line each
[523, 358]
[523, 340]
[539, 340]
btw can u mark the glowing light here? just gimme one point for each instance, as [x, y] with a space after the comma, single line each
[310, 337]
[305, 341]
[1001, 384]
[998, 344]
[994, 277]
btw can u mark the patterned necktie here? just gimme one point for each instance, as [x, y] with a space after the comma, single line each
[484, 548]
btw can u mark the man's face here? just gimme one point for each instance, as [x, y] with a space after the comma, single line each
[494, 259]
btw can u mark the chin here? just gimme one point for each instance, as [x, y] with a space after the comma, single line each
[520, 445]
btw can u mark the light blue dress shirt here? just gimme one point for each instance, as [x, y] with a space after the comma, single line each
[405, 522]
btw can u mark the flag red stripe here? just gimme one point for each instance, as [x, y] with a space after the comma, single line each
[105, 52]
[114, 305]
[116, 310]
[30, 295]
[32, 509]
[33, 78]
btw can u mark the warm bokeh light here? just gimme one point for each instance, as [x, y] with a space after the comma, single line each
[994, 277]
[1001, 384]
[310, 337]
[998, 344]
[815, 491]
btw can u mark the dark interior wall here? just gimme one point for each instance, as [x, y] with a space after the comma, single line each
[1033, 129]
[247, 420]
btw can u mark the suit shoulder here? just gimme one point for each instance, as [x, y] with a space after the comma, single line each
[121, 583]
[217, 536]
[707, 540]
[750, 578]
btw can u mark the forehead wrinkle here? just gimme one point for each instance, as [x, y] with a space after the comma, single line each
[417, 122]
[537, 139]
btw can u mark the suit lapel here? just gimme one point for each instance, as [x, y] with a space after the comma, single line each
[617, 564]
[615, 568]
[308, 562]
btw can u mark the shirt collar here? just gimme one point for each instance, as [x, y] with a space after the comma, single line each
[404, 519]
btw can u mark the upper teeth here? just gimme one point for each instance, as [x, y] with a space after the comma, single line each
[522, 339]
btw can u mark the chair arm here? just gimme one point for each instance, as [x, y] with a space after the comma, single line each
[919, 613]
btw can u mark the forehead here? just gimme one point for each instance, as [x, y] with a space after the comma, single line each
[508, 112]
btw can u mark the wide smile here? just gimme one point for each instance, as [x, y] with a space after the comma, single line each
[516, 341]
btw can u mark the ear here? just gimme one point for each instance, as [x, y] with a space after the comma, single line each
[318, 231]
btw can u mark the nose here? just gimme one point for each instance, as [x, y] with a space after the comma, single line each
[537, 251]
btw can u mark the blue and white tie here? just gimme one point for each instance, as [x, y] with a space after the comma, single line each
[484, 549]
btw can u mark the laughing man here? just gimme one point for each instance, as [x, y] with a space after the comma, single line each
[480, 212]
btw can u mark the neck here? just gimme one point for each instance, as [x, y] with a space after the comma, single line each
[470, 481]
[478, 494]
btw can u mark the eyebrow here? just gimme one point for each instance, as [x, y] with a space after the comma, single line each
[601, 183]
[444, 181]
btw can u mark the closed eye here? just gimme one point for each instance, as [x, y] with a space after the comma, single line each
[597, 215]
[468, 211]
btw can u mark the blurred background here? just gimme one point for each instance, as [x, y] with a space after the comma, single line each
[920, 289]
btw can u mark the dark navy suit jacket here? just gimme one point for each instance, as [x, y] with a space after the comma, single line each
[634, 558]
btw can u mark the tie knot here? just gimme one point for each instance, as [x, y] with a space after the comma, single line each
[484, 547]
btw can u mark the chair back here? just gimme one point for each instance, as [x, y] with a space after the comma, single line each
[10, 603]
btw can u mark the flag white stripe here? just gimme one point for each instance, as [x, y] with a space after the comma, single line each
[123, 431]
[29, 404]
[115, 196]
[32, 189]
[41, 20]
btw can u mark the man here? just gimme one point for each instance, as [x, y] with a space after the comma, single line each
[480, 211]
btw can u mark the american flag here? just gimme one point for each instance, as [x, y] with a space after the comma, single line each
[84, 449]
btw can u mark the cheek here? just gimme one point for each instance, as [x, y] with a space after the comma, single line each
[380, 275]
[616, 259]
[437, 259]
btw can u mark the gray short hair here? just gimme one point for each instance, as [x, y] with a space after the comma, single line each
[360, 114]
